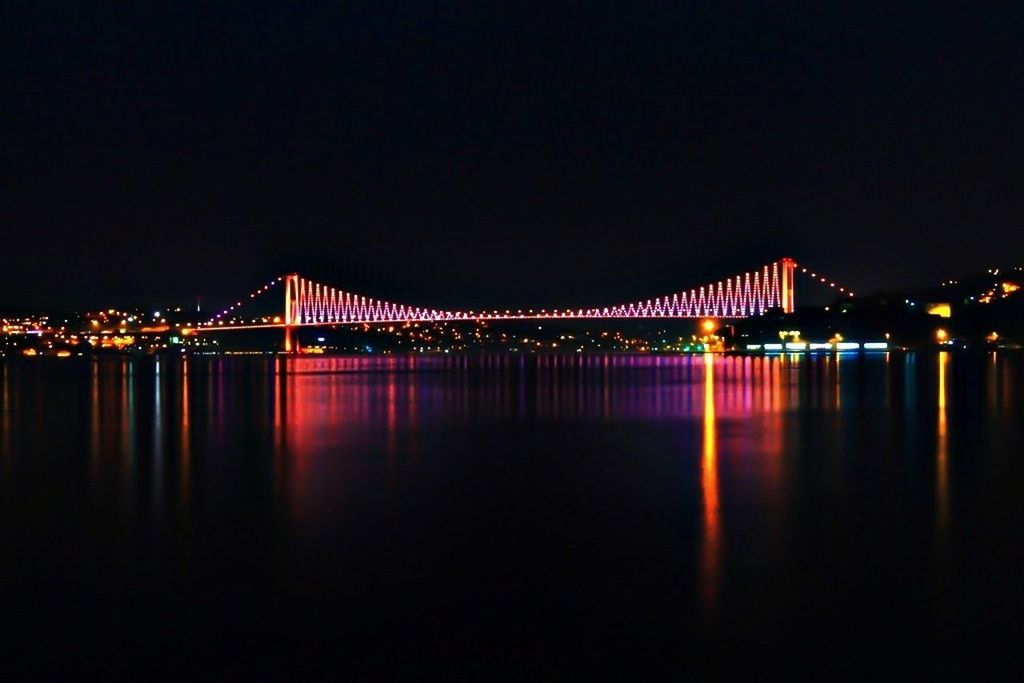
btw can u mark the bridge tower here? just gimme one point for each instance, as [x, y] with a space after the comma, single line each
[291, 295]
[788, 285]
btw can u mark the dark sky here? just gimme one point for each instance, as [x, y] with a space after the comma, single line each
[506, 155]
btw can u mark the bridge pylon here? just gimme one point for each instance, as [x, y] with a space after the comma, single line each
[788, 285]
[291, 294]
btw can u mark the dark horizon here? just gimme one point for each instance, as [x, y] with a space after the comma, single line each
[492, 156]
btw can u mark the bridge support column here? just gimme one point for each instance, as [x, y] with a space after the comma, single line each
[788, 285]
[291, 293]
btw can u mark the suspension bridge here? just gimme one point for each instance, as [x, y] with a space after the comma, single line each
[307, 303]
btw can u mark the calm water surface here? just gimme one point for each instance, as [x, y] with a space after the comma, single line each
[493, 517]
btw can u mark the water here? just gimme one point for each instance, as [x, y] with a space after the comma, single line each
[511, 517]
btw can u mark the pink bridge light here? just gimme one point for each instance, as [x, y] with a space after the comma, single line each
[744, 295]
[748, 294]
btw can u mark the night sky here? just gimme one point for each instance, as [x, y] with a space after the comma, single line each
[502, 155]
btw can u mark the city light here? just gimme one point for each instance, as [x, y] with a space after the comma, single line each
[744, 295]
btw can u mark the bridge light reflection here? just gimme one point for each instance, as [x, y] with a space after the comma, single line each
[942, 446]
[711, 550]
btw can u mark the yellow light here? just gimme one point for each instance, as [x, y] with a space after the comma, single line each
[117, 342]
[941, 310]
[63, 354]
[941, 335]
[993, 337]
[30, 352]
[709, 326]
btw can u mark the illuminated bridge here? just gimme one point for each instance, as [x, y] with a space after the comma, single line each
[307, 303]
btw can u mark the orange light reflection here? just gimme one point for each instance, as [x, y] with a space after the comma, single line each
[942, 445]
[711, 551]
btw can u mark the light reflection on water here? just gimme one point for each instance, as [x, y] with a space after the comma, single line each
[942, 444]
[324, 406]
[709, 486]
[726, 496]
